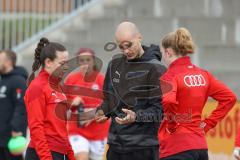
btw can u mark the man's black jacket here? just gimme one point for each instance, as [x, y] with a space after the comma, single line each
[12, 108]
[134, 84]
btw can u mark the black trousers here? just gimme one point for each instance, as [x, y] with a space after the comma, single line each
[198, 154]
[6, 155]
[31, 154]
[140, 154]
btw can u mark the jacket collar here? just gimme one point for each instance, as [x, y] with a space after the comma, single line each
[185, 60]
[44, 73]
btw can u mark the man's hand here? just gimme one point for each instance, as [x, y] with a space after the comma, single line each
[15, 134]
[100, 117]
[129, 118]
[236, 153]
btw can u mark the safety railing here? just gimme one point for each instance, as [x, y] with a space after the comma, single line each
[21, 20]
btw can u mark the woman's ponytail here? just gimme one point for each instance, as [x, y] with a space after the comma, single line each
[183, 42]
[37, 61]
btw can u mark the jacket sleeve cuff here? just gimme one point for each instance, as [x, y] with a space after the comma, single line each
[207, 127]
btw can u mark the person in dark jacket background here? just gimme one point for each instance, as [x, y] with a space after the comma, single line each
[19, 70]
[13, 120]
[133, 101]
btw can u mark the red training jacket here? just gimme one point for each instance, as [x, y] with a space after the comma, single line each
[94, 131]
[183, 106]
[47, 131]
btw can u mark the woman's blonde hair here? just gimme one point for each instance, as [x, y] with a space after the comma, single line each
[180, 41]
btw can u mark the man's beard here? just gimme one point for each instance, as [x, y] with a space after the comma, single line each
[3, 70]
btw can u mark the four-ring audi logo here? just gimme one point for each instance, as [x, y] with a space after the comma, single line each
[194, 80]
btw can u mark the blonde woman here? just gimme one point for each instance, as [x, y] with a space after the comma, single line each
[183, 137]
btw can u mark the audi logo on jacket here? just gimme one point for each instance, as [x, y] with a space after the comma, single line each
[183, 128]
[48, 132]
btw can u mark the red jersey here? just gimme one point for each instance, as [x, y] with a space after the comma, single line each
[94, 131]
[183, 105]
[48, 132]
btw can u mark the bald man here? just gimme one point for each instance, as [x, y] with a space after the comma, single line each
[132, 98]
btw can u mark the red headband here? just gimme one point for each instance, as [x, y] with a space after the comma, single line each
[84, 51]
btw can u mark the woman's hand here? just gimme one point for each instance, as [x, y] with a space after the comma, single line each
[76, 101]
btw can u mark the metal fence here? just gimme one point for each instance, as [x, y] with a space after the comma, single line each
[22, 19]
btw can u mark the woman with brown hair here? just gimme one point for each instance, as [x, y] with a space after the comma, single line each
[183, 137]
[49, 138]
